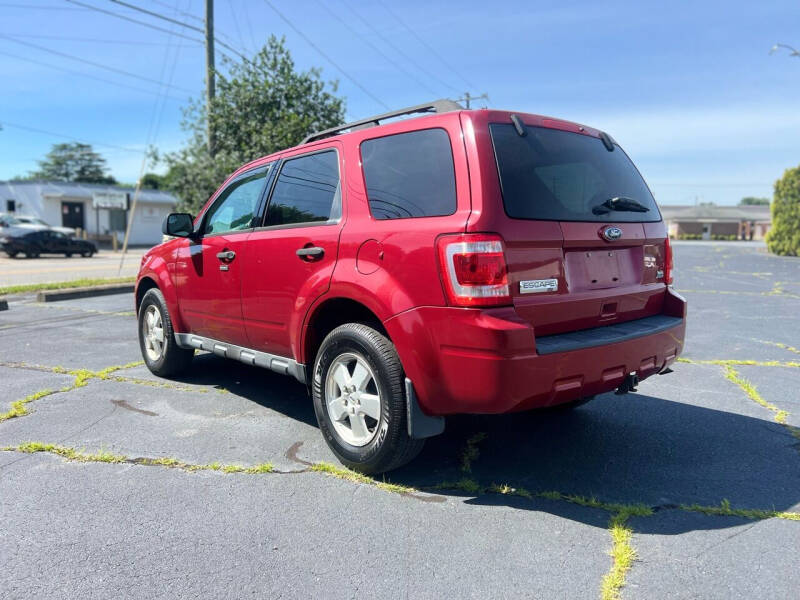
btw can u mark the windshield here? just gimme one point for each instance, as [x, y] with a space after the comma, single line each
[555, 175]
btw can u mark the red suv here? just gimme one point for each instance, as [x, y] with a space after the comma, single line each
[462, 261]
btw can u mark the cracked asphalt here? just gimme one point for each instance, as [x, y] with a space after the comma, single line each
[717, 471]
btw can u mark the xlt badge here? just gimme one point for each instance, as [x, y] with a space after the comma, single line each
[534, 286]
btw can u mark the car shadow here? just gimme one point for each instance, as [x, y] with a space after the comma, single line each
[626, 449]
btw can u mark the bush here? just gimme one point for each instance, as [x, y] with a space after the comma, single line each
[784, 236]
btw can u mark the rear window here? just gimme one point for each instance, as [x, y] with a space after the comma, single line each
[410, 175]
[554, 175]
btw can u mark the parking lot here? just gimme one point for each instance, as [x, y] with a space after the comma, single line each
[114, 483]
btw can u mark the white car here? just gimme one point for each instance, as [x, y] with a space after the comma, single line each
[25, 220]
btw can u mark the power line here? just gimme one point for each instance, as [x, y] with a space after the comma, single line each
[249, 27]
[426, 44]
[143, 23]
[399, 51]
[374, 47]
[236, 24]
[66, 137]
[175, 21]
[87, 75]
[82, 39]
[326, 57]
[34, 6]
[178, 12]
[92, 63]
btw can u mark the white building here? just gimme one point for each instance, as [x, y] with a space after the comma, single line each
[99, 209]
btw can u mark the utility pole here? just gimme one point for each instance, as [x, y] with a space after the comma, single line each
[469, 97]
[210, 136]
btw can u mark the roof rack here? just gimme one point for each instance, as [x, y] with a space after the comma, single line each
[437, 106]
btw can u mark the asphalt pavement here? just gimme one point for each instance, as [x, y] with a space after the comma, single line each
[50, 268]
[115, 483]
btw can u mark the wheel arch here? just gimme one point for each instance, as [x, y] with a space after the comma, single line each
[326, 316]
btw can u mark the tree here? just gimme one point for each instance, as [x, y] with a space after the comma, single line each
[153, 181]
[73, 162]
[753, 201]
[784, 235]
[261, 106]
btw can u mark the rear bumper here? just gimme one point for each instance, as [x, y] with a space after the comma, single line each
[487, 361]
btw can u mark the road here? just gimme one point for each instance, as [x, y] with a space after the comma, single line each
[21, 270]
[144, 493]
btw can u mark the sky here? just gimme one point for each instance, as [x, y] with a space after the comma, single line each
[689, 89]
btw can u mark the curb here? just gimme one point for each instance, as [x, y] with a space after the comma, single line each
[84, 292]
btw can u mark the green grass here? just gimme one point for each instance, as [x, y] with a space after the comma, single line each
[471, 452]
[348, 475]
[62, 285]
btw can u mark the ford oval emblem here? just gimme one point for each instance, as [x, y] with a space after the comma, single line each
[611, 234]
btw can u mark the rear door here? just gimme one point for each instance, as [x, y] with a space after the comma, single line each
[291, 256]
[608, 265]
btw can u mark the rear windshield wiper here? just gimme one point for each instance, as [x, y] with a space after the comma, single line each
[619, 203]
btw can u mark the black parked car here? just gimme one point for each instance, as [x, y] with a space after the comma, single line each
[44, 242]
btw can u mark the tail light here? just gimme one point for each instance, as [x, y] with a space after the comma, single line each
[668, 264]
[474, 270]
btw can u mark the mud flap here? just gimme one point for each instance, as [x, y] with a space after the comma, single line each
[420, 425]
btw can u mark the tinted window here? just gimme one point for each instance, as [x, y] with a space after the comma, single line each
[236, 206]
[307, 190]
[561, 176]
[410, 175]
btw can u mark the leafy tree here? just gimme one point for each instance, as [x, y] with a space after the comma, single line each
[73, 162]
[753, 201]
[261, 106]
[153, 181]
[784, 236]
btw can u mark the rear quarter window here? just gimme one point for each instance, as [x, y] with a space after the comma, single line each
[410, 175]
[555, 175]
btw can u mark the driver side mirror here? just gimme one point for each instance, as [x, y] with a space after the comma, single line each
[178, 225]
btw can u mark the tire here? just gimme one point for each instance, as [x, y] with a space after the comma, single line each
[68, 254]
[31, 254]
[12, 254]
[165, 358]
[381, 442]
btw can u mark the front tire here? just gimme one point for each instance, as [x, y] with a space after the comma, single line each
[160, 351]
[359, 400]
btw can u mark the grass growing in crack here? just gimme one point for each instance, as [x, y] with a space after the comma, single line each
[748, 388]
[18, 408]
[742, 363]
[471, 452]
[726, 510]
[69, 453]
[348, 475]
[622, 556]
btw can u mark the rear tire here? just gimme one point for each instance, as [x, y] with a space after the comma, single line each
[12, 254]
[68, 254]
[160, 351]
[359, 400]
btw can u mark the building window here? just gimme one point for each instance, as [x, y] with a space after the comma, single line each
[11, 206]
[117, 220]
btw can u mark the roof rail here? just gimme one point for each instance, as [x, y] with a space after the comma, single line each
[437, 106]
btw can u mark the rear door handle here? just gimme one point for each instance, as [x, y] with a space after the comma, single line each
[226, 256]
[311, 252]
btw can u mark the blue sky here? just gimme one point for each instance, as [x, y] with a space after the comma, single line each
[688, 88]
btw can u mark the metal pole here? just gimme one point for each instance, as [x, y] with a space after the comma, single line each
[210, 74]
[466, 97]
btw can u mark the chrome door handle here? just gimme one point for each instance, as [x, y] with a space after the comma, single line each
[311, 252]
[226, 256]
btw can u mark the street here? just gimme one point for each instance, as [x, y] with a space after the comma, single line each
[47, 268]
[115, 483]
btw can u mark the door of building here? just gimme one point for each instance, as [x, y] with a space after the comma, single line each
[72, 215]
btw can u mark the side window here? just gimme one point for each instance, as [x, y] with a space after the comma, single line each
[410, 175]
[237, 205]
[307, 190]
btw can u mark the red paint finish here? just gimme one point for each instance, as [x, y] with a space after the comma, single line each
[479, 359]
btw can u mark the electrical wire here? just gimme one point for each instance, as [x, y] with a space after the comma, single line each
[171, 20]
[87, 75]
[325, 56]
[424, 43]
[92, 63]
[390, 60]
[83, 39]
[394, 47]
[5, 123]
